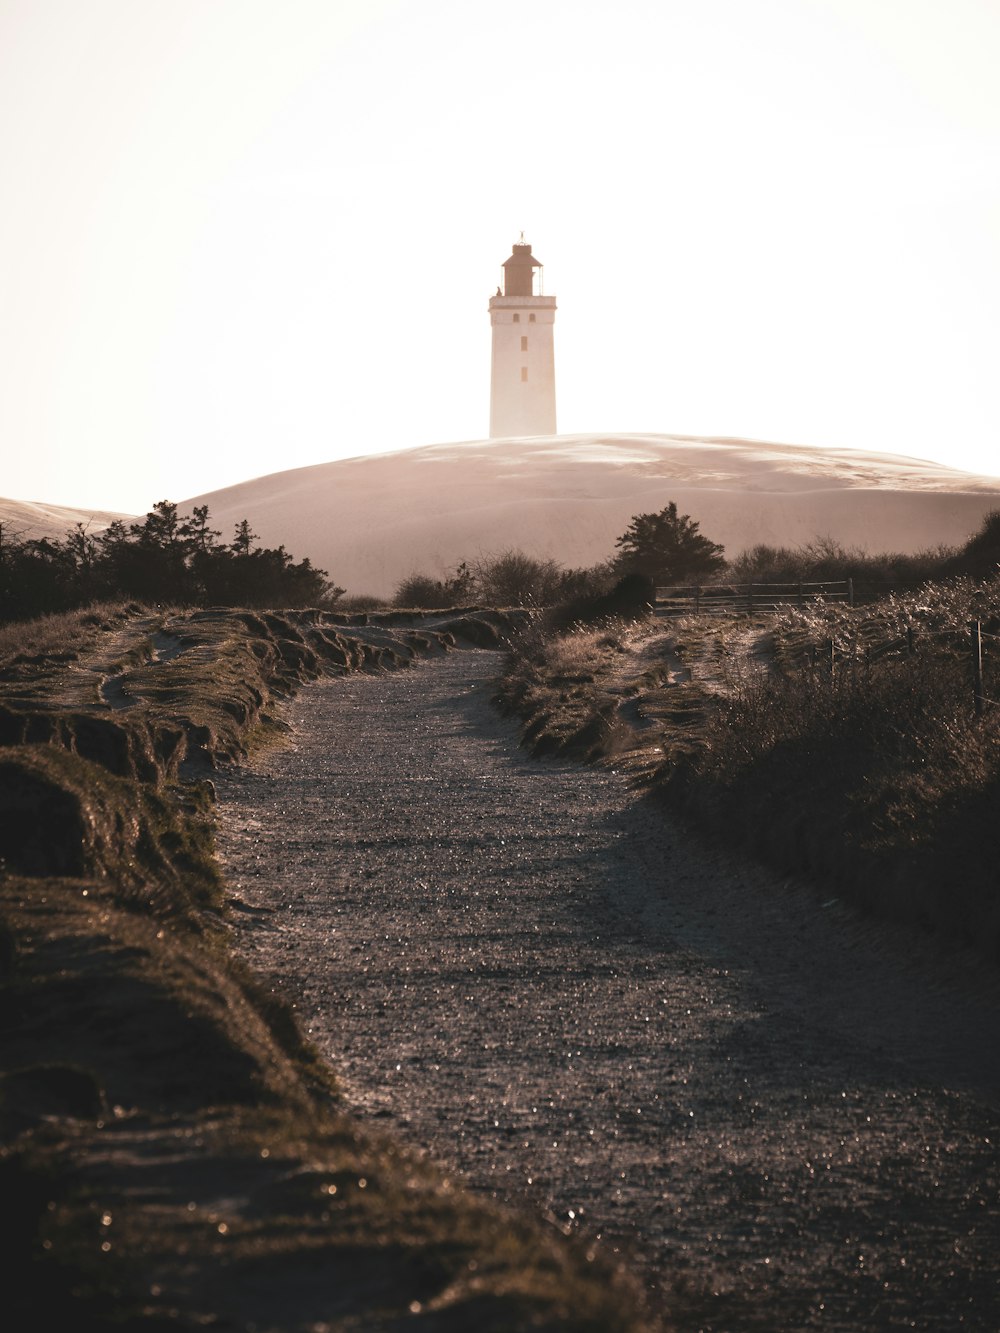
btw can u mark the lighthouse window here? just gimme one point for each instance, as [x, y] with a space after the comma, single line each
[524, 343]
[517, 318]
[524, 374]
[531, 319]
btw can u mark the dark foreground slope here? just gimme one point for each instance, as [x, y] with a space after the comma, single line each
[174, 1153]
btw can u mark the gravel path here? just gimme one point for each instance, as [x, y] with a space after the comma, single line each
[785, 1117]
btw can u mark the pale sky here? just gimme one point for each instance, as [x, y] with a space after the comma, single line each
[238, 236]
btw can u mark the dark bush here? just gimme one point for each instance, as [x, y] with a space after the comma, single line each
[168, 558]
[667, 547]
[980, 556]
[825, 560]
[632, 598]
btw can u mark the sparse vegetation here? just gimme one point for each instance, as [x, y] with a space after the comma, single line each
[511, 578]
[562, 685]
[423, 593]
[515, 579]
[668, 547]
[826, 560]
[62, 632]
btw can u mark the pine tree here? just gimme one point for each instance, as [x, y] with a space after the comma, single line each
[667, 547]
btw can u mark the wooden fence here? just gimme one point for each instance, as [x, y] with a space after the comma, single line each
[721, 598]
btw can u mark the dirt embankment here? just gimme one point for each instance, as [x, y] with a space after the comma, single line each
[174, 1152]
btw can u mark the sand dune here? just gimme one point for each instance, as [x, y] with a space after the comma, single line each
[32, 520]
[372, 520]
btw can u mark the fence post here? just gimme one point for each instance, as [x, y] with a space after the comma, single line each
[911, 640]
[750, 599]
[850, 592]
[975, 633]
[697, 599]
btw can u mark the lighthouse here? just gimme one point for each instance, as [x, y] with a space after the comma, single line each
[523, 383]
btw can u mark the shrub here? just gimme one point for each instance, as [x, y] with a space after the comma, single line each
[632, 598]
[667, 547]
[824, 559]
[424, 593]
[980, 556]
[514, 578]
[421, 592]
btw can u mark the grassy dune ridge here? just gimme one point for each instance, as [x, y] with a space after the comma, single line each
[173, 1150]
[836, 742]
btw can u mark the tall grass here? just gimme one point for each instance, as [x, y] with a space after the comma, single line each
[64, 632]
[871, 770]
[563, 685]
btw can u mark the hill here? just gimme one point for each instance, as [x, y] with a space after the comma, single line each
[33, 520]
[372, 520]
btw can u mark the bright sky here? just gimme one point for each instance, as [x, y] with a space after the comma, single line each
[243, 235]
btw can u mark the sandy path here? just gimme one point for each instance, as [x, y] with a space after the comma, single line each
[786, 1118]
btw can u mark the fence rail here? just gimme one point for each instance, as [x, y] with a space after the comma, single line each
[709, 598]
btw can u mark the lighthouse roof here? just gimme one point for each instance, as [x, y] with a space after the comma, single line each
[522, 256]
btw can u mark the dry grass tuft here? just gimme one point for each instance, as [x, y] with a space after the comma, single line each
[562, 686]
[64, 634]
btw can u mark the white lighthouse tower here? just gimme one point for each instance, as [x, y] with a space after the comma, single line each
[523, 384]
